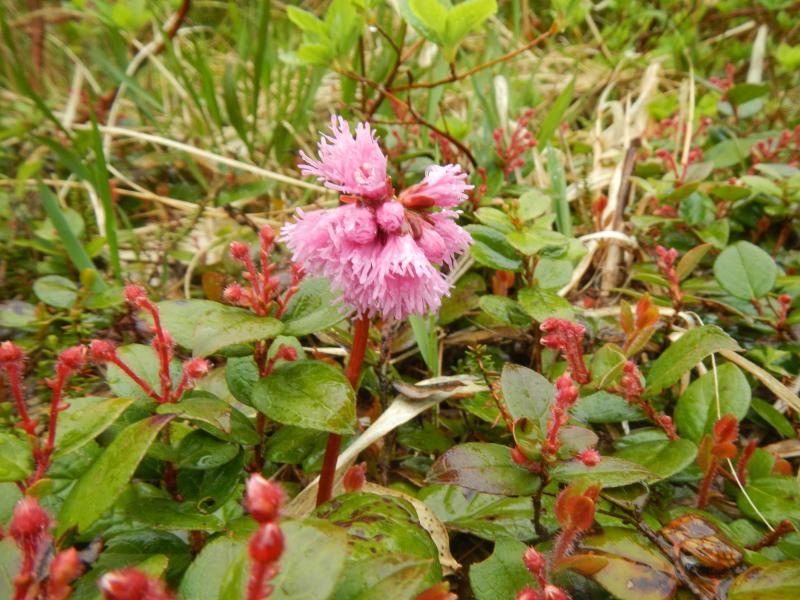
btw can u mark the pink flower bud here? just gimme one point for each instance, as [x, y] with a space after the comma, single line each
[102, 351]
[785, 299]
[590, 457]
[432, 245]
[131, 584]
[358, 225]
[234, 294]
[355, 477]
[266, 235]
[10, 353]
[72, 359]
[552, 592]
[391, 216]
[528, 593]
[135, 295]
[65, 567]
[263, 498]
[534, 562]
[197, 368]
[286, 353]
[240, 251]
[266, 546]
[29, 523]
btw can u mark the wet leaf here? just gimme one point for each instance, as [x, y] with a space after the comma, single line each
[610, 472]
[663, 457]
[775, 581]
[484, 468]
[85, 419]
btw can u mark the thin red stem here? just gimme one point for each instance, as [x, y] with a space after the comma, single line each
[360, 335]
[136, 379]
[163, 355]
[43, 457]
[15, 383]
[705, 487]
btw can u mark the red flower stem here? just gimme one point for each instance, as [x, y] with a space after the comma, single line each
[705, 487]
[255, 587]
[360, 334]
[163, 355]
[43, 457]
[15, 383]
[136, 379]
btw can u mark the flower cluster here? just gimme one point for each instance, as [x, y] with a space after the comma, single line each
[263, 293]
[12, 363]
[632, 390]
[567, 336]
[666, 264]
[132, 584]
[104, 352]
[30, 530]
[511, 154]
[566, 396]
[379, 249]
[263, 500]
[537, 565]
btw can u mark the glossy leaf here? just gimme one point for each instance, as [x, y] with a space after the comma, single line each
[313, 308]
[484, 468]
[663, 457]
[696, 411]
[492, 250]
[692, 347]
[775, 581]
[501, 575]
[85, 419]
[15, 458]
[746, 271]
[99, 487]
[610, 472]
[309, 394]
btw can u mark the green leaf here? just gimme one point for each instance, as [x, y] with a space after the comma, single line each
[535, 240]
[462, 299]
[484, 515]
[484, 468]
[775, 418]
[394, 576]
[201, 451]
[16, 462]
[98, 489]
[232, 326]
[610, 472]
[165, 513]
[788, 56]
[604, 407]
[625, 564]
[771, 581]
[181, 317]
[314, 308]
[691, 259]
[527, 394]
[505, 310]
[56, 291]
[745, 92]
[85, 419]
[777, 497]
[559, 189]
[663, 457]
[10, 562]
[204, 576]
[491, 249]
[542, 304]
[692, 347]
[306, 21]
[428, 17]
[745, 271]
[465, 17]
[696, 411]
[501, 575]
[241, 374]
[553, 117]
[307, 393]
[308, 568]
[424, 329]
[380, 525]
[143, 361]
[214, 416]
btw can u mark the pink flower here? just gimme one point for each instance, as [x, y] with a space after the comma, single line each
[445, 186]
[351, 164]
[380, 252]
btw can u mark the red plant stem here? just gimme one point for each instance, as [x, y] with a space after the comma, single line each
[163, 354]
[136, 379]
[705, 487]
[22, 582]
[360, 334]
[43, 459]
[255, 587]
[15, 383]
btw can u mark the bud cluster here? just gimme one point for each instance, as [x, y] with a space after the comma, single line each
[263, 499]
